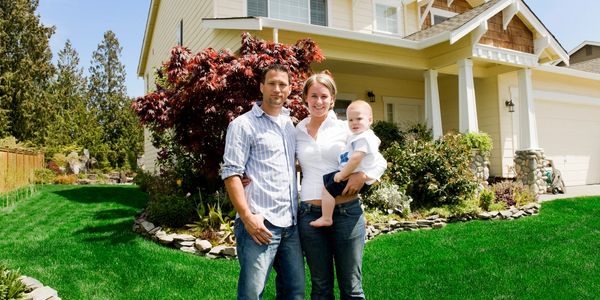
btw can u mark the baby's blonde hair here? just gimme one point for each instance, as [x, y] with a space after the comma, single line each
[362, 104]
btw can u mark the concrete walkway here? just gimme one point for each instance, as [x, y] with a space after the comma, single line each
[574, 191]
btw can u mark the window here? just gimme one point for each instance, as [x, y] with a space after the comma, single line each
[340, 107]
[303, 11]
[588, 50]
[439, 15]
[386, 18]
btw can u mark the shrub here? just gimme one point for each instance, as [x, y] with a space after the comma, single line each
[43, 176]
[54, 167]
[388, 133]
[11, 286]
[486, 198]
[388, 197]
[143, 180]
[480, 141]
[171, 210]
[418, 131]
[513, 193]
[434, 173]
[65, 179]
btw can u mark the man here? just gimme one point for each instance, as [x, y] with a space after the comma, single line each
[260, 144]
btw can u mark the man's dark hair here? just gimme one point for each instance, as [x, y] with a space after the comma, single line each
[275, 67]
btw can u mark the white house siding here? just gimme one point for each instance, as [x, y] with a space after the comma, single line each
[230, 8]
[340, 14]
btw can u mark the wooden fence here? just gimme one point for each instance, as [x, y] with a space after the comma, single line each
[17, 166]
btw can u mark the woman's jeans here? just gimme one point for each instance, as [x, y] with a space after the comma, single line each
[341, 244]
[284, 254]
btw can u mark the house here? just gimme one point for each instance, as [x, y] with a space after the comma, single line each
[585, 57]
[462, 65]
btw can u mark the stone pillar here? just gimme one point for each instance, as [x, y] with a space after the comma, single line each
[467, 110]
[432, 103]
[529, 166]
[480, 165]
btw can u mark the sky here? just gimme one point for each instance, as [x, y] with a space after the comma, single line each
[85, 21]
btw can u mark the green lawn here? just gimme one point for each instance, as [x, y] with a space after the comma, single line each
[78, 240]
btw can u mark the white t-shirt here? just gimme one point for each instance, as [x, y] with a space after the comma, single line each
[319, 157]
[373, 164]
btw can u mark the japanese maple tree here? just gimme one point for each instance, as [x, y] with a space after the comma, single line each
[197, 95]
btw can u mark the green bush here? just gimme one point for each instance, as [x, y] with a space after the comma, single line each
[486, 198]
[43, 176]
[387, 196]
[11, 286]
[388, 133]
[480, 141]
[143, 180]
[433, 173]
[171, 210]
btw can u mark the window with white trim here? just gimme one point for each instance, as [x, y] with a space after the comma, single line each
[302, 11]
[439, 15]
[386, 17]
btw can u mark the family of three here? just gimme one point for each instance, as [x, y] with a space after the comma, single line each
[338, 159]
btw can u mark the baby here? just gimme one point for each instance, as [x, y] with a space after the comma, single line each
[361, 154]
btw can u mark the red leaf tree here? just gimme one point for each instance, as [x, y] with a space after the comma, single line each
[198, 95]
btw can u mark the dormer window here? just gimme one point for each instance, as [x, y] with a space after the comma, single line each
[440, 15]
[302, 11]
[387, 16]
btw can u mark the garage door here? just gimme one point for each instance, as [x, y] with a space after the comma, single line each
[570, 135]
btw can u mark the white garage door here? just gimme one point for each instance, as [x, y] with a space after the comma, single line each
[570, 136]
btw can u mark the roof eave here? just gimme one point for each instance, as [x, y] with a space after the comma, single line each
[151, 21]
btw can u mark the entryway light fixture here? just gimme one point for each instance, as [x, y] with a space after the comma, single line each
[371, 96]
[510, 104]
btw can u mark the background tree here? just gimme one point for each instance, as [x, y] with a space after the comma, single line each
[25, 71]
[107, 99]
[71, 124]
[198, 95]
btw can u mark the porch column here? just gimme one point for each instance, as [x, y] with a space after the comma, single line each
[529, 159]
[527, 125]
[433, 114]
[467, 110]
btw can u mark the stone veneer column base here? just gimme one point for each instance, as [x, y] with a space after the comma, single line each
[529, 165]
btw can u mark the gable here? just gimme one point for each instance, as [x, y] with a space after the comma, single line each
[516, 37]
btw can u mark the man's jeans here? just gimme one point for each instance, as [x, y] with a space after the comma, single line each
[283, 253]
[342, 243]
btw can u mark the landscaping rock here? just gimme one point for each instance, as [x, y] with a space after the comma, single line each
[180, 244]
[30, 283]
[506, 214]
[439, 225]
[202, 245]
[184, 237]
[190, 250]
[43, 293]
[484, 215]
[147, 226]
[229, 251]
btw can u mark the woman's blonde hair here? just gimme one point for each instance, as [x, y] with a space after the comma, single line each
[323, 78]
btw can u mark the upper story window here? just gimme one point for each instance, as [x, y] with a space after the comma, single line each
[440, 15]
[302, 11]
[387, 16]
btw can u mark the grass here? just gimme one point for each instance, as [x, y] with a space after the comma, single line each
[78, 240]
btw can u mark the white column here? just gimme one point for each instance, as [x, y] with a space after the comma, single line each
[433, 113]
[467, 110]
[528, 138]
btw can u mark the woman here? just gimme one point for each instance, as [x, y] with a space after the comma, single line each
[320, 139]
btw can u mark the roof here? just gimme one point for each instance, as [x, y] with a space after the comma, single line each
[583, 44]
[452, 23]
[592, 65]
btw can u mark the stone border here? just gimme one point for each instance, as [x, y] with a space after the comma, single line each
[35, 290]
[190, 244]
[435, 222]
[184, 242]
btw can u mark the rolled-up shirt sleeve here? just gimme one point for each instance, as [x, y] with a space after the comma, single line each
[237, 149]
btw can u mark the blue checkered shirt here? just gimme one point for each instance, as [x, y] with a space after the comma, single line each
[264, 151]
